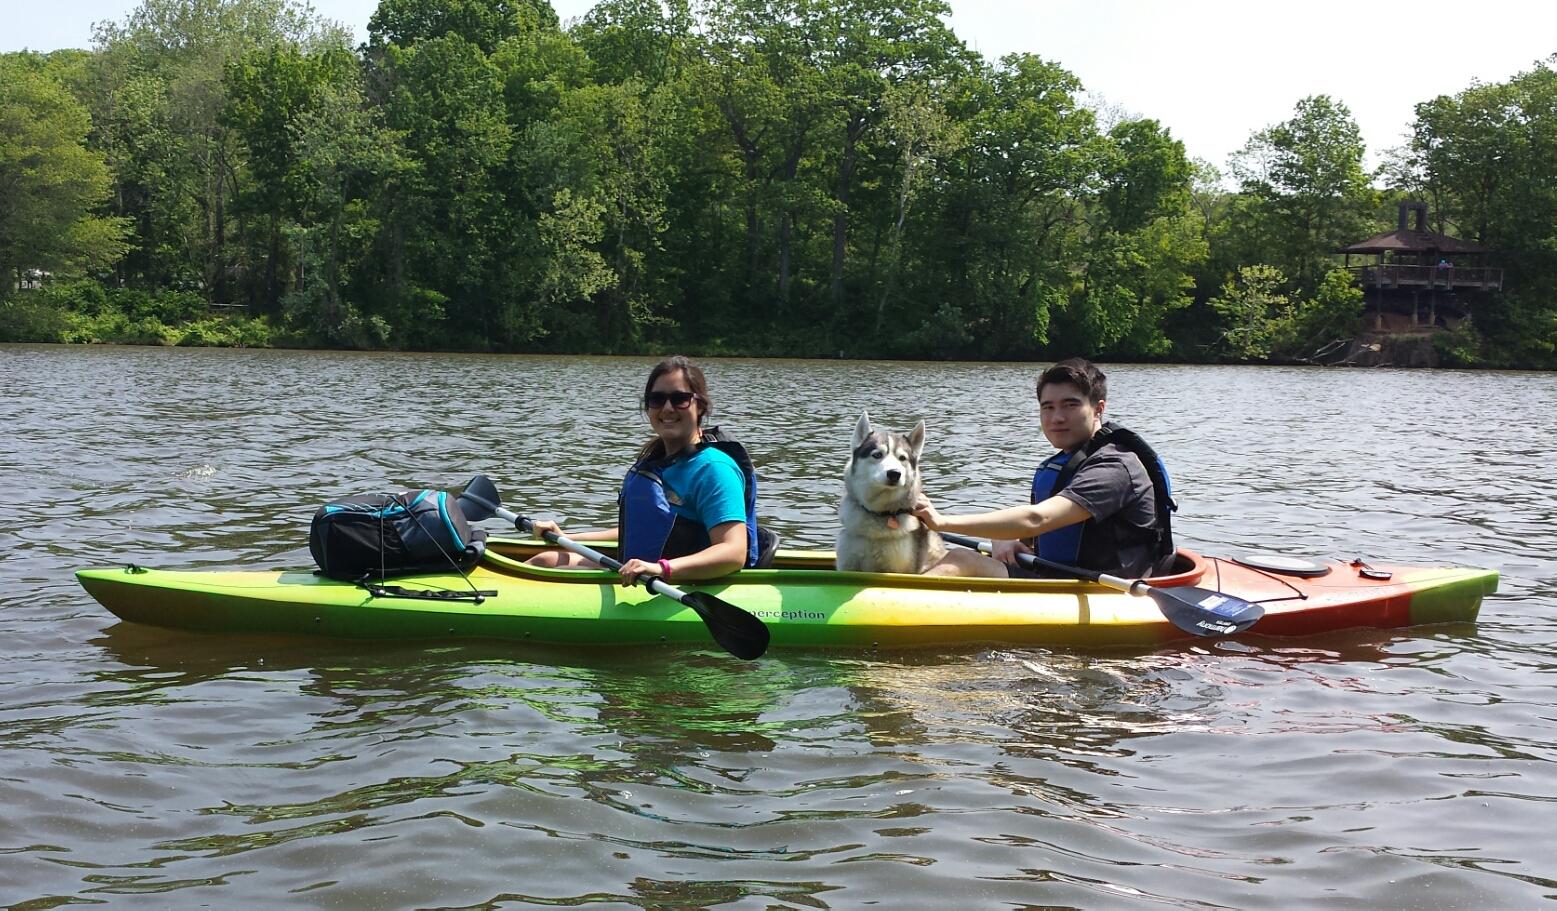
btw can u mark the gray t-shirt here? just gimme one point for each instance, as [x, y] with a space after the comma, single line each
[1113, 482]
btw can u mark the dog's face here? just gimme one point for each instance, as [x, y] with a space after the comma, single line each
[884, 466]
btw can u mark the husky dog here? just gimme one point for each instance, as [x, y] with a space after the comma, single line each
[877, 532]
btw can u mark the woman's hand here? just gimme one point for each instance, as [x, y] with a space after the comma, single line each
[539, 528]
[634, 568]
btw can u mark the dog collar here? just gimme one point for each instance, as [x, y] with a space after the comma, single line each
[888, 516]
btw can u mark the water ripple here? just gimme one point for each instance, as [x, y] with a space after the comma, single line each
[1403, 768]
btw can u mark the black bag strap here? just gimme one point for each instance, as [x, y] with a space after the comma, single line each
[379, 590]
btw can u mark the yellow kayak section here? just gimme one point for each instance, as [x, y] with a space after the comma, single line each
[803, 600]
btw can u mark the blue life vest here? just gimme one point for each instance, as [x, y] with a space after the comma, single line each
[651, 530]
[1098, 542]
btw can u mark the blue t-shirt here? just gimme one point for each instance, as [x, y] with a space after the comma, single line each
[706, 487]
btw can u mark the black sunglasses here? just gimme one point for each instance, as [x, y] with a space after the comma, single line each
[681, 400]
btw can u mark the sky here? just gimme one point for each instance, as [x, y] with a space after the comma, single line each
[1211, 71]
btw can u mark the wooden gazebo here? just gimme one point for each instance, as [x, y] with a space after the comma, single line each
[1420, 278]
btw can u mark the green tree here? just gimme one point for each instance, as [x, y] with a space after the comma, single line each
[52, 187]
[762, 79]
[158, 113]
[1253, 308]
[921, 132]
[1139, 246]
[484, 23]
[880, 45]
[646, 40]
[1007, 210]
[270, 91]
[344, 155]
[1306, 186]
[604, 178]
[448, 253]
[1487, 157]
[1329, 317]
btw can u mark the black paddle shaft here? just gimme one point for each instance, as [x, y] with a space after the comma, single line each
[737, 631]
[523, 523]
[1193, 610]
[653, 583]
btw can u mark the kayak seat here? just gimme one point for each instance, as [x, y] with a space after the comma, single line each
[767, 546]
[1177, 564]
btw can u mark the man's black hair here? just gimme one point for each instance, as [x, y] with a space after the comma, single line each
[1080, 373]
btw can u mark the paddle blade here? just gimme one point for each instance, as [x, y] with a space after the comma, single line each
[480, 499]
[1206, 613]
[736, 631]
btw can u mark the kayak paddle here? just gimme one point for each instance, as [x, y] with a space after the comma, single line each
[736, 631]
[1193, 610]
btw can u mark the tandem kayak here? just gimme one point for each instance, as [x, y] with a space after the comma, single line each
[804, 601]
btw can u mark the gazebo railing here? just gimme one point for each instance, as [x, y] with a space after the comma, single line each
[1448, 277]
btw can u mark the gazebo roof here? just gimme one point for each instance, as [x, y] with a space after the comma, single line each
[1405, 240]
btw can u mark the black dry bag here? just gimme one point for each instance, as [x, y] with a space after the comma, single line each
[381, 535]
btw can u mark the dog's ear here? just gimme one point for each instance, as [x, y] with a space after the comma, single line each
[861, 430]
[916, 439]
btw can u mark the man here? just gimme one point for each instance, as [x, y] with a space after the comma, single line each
[1101, 503]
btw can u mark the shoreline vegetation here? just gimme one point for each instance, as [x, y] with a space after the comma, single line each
[735, 178]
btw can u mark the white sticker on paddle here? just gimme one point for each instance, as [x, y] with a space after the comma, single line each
[1212, 602]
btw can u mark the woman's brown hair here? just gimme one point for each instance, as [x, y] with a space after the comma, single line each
[695, 380]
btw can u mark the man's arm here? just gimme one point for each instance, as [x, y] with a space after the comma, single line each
[1007, 524]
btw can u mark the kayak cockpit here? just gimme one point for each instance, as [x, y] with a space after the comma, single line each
[507, 556]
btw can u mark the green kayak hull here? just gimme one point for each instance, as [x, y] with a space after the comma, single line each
[803, 600]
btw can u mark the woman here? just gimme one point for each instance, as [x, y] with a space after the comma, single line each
[687, 506]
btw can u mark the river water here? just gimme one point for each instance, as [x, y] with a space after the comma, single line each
[142, 767]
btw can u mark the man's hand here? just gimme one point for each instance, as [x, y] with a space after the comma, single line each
[926, 512]
[1006, 551]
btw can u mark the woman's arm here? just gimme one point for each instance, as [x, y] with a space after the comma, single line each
[541, 526]
[565, 558]
[725, 555]
[718, 499]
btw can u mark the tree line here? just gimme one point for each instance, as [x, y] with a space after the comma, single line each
[768, 177]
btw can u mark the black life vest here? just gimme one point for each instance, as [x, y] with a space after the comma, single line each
[1098, 542]
[651, 530]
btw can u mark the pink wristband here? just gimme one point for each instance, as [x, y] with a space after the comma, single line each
[665, 569]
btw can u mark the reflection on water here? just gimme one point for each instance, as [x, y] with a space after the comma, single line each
[1402, 768]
